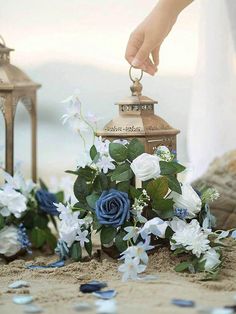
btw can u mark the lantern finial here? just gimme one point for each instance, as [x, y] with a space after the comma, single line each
[4, 51]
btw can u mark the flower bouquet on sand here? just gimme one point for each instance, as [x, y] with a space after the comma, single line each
[136, 203]
[25, 212]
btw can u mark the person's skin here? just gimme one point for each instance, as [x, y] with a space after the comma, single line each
[144, 43]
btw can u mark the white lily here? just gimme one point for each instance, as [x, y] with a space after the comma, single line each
[131, 268]
[132, 233]
[155, 226]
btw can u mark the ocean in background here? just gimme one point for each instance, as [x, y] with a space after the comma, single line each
[58, 147]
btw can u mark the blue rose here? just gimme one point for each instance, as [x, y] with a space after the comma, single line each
[46, 202]
[113, 208]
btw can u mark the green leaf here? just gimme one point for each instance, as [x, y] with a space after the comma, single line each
[1, 222]
[135, 193]
[101, 183]
[87, 173]
[169, 233]
[182, 266]
[40, 221]
[157, 188]
[50, 239]
[89, 246]
[174, 184]
[76, 252]
[164, 208]
[72, 172]
[93, 152]
[92, 199]
[119, 242]
[81, 188]
[60, 196]
[118, 152]
[170, 167]
[123, 186]
[107, 234]
[122, 172]
[38, 237]
[43, 185]
[135, 148]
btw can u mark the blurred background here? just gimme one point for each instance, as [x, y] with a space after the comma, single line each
[66, 45]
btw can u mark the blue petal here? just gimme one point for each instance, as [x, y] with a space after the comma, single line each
[92, 286]
[105, 295]
[183, 303]
[33, 309]
[22, 299]
[56, 264]
[19, 284]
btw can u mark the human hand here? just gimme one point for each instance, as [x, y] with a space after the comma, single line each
[144, 43]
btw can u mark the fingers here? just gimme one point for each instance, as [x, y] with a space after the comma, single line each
[137, 53]
[133, 46]
[155, 56]
[142, 55]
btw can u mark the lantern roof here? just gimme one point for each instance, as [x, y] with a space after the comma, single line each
[137, 117]
[11, 77]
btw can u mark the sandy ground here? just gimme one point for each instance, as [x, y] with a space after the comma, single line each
[57, 290]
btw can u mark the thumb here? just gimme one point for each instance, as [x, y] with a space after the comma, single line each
[142, 54]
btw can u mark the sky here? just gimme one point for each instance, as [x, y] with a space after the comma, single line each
[93, 32]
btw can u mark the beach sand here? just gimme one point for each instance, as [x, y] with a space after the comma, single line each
[57, 290]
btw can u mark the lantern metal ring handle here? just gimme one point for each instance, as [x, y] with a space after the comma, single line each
[3, 41]
[136, 79]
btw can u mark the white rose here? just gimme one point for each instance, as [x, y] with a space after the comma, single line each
[12, 202]
[189, 200]
[9, 243]
[212, 259]
[146, 167]
[155, 226]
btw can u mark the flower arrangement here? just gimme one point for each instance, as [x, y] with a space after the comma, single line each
[25, 213]
[137, 204]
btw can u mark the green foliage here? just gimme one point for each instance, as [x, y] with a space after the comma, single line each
[107, 234]
[164, 208]
[101, 183]
[174, 184]
[118, 152]
[76, 252]
[157, 188]
[43, 184]
[94, 155]
[123, 186]
[120, 244]
[122, 172]
[89, 246]
[135, 193]
[38, 237]
[60, 196]
[170, 167]
[135, 148]
[1, 222]
[92, 199]
[182, 266]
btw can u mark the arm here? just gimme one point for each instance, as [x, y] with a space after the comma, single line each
[144, 43]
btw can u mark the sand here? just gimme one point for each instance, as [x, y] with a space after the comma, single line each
[57, 290]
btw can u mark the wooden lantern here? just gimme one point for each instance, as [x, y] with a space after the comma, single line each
[15, 87]
[137, 120]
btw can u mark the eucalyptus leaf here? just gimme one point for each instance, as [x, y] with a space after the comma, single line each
[93, 152]
[123, 186]
[170, 167]
[182, 266]
[120, 244]
[107, 234]
[118, 152]
[174, 184]
[76, 252]
[92, 199]
[157, 188]
[38, 237]
[135, 149]
[1, 222]
[89, 246]
[122, 172]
